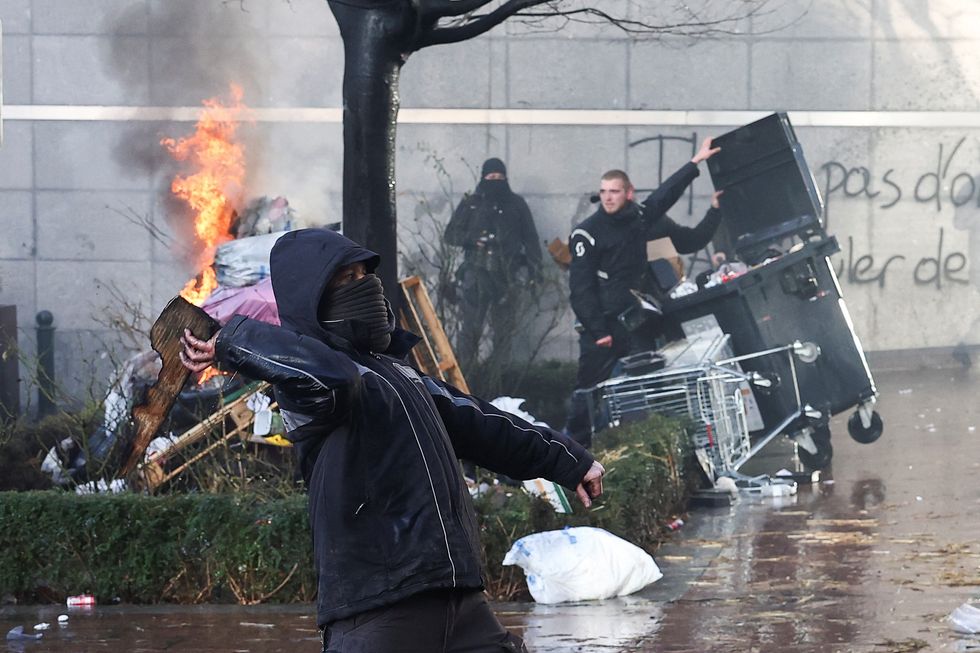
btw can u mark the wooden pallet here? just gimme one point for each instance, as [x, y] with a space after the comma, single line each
[237, 411]
[434, 355]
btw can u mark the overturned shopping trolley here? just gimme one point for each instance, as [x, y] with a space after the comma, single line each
[699, 379]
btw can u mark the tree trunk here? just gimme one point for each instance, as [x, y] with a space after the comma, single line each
[375, 37]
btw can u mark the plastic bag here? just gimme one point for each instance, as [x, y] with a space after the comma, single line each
[581, 563]
[966, 619]
[244, 261]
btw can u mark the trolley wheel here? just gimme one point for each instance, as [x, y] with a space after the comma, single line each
[861, 434]
[825, 450]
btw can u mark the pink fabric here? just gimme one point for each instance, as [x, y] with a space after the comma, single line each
[255, 301]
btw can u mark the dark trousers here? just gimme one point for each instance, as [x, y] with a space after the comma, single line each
[596, 364]
[477, 306]
[437, 621]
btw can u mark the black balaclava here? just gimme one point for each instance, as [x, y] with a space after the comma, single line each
[493, 188]
[359, 312]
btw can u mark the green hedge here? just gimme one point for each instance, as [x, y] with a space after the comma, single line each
[238, 548]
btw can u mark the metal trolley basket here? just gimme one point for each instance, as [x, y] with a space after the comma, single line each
[700, 380]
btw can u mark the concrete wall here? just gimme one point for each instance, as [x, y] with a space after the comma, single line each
[884, 96]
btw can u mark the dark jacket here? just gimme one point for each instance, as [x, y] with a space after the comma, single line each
[495, 230]
[609, 255]
[390, 513]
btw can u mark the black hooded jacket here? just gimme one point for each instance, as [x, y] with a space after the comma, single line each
[390, 512]
[609, 255]
[500, 220]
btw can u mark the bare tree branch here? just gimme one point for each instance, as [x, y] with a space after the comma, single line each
[447, 8]
[558, 13]
[476, 25]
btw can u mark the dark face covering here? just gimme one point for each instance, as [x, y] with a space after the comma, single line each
[358, 311]
[495, 189]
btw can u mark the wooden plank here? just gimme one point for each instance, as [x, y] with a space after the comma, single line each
[165, 339]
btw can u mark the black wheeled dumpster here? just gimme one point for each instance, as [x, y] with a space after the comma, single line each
[793, 298]
[772, 212]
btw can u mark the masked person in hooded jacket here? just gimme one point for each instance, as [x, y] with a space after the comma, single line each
[609, 259]
[395, 535]
[501, 254]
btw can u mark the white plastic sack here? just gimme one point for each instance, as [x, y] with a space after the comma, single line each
[581, 563]
[245, 261]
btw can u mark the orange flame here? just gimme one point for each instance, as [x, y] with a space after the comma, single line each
[216, 184]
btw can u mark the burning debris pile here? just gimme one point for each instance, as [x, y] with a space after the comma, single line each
[234, 239]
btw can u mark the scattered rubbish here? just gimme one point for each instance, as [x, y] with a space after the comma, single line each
[726, 484]
[80, 600]
[675, 524]
[778, 490]
[264, 215]
[62, 618]
[965, 619]
[17, 632]
[244, 261]
[918, 498]
[256, 301]
[905, 391]
[551, 491]
[971, 429]
[42, 626]
[799, 477]
[580, 564]
[767, 486]
[100, 486]
[252, 624]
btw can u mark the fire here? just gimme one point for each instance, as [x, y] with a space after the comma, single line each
[216, 184]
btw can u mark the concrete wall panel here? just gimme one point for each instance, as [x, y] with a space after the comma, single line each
[17, 156]
[16, 15]
[304, 72]
[684, 74]
[86, 155]
[17, 218]
[91, 70]
[17, 282]
[87, 294]
[560, 73]
[426, 81]
[17, 65]
[811, 76]
[91, 17]
[92, 226]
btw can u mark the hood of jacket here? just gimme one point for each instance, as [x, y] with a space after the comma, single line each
[301, 265]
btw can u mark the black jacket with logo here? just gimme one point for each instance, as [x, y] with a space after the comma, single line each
[390, 512]
[609, 254]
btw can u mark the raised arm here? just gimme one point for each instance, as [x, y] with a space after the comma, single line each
[295, 364]
[660, 200]
[688, 240]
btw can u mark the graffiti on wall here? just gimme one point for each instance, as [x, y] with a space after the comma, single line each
[944, 183]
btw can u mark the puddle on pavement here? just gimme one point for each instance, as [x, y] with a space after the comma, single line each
[871, 559]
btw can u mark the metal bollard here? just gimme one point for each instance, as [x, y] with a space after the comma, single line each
[45, 359]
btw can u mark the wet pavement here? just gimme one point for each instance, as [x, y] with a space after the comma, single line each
[869, 559]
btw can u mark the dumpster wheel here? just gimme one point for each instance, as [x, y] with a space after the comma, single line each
[825, 450]
[861, 433]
